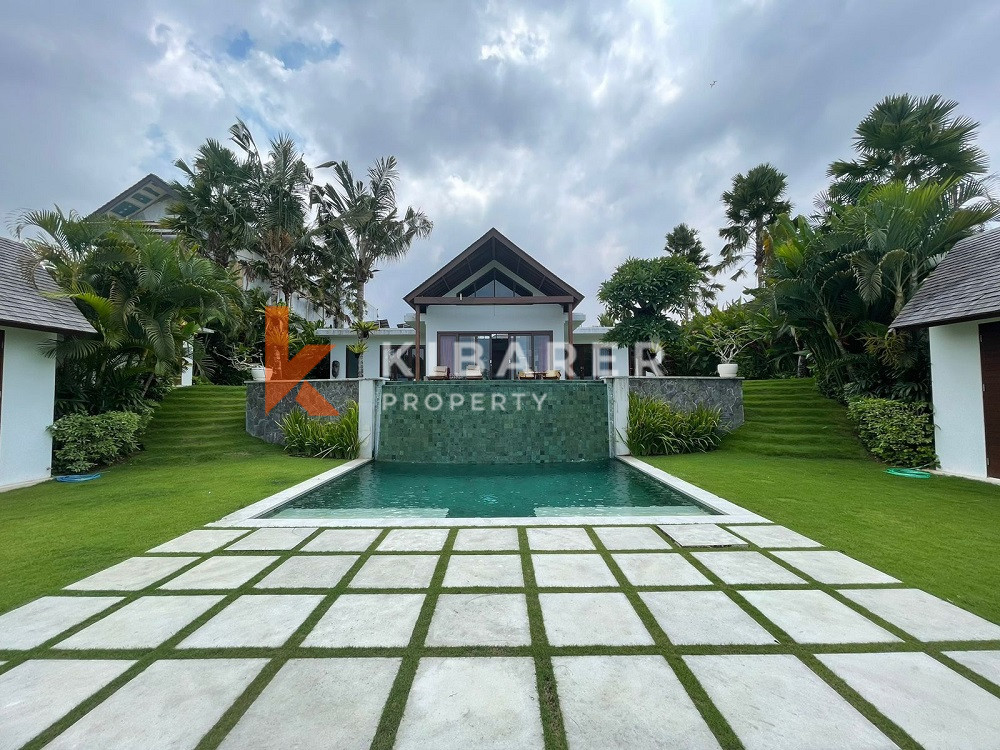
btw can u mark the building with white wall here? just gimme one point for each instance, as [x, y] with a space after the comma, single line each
[960, 305]
[28, 322]
[493, 307]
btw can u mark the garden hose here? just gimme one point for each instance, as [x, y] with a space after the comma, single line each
[909, 473]
[78, 477]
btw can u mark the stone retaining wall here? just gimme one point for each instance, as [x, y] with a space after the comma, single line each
[685, 393]
[265, 426]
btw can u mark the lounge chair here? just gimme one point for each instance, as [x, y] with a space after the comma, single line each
[439, 372]
[552, 375]
[473, 373]
[526, 375]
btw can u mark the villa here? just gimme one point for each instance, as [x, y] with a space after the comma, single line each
[960, 305]
[28, 321]
[494, 308]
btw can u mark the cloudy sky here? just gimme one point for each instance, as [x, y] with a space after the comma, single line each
[582, 130]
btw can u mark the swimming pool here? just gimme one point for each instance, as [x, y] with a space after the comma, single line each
[400, 490]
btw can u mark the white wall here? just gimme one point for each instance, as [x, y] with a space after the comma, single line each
[26, 408]
[372, 356]
[957, 383]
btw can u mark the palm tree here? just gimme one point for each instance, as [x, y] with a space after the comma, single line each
[145, 296]
[755, 201]
[364, 221]
[683, 242]
[276, 191]
[897, 234]
[909, 139]
[211, 210]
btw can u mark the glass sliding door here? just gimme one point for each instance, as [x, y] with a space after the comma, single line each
[499, 355]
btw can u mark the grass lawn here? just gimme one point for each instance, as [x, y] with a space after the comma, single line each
[938, 534]
[53, 534]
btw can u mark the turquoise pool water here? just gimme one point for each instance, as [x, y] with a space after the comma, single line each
[591, 488]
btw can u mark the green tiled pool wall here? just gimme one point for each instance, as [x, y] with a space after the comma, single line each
[480, 422]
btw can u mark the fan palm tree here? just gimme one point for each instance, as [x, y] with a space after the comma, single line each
[362, 219]
[276, 193]
[909, 139]
[683, 242]
[755, 200]
[212, 211]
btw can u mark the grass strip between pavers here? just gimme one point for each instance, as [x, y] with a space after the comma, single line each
[540, 650]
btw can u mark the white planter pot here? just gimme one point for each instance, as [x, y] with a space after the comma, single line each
[257, 372]
[728, 370]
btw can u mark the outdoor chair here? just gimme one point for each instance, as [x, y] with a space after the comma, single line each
[439, 372]
[526, 375]
[473, 373]
[552, 375]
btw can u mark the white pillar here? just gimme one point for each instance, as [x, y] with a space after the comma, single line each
[617, 413]
[187, 369]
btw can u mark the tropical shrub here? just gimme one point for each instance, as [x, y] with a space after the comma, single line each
[322, 438]
[82, 442]
[895, 432]
[146, 297]
[656, 429]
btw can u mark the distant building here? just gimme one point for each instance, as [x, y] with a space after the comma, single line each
[960, 305]
[148, 201]
[495, 309]
[28, 321]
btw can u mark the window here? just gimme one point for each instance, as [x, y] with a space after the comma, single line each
[498, 355]
[494, 283]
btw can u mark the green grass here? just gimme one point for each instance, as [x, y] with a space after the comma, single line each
[199, 465]
[938, 534]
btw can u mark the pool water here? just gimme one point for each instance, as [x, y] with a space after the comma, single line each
[590, 488]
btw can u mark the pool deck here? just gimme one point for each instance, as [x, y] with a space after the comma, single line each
[614, 633]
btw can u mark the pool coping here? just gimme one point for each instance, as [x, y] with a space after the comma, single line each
[249, 517]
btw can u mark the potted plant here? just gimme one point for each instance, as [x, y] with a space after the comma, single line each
[728, 343]
[244, 359]
[363, 328]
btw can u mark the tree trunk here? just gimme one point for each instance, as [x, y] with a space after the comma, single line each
[758, 255]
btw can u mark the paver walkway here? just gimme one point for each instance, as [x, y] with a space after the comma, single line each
[582, 637]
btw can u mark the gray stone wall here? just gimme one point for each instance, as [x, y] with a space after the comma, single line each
[265, 426]
[725, 394]
[457, 421]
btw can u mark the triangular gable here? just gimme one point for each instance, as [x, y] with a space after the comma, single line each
[135, 199]
[493, 246]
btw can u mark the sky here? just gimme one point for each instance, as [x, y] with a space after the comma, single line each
[583, 130]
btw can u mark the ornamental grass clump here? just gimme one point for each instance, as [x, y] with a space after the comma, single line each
[322, 438]
[656, 429]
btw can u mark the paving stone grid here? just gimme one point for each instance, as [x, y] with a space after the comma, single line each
[581, 637]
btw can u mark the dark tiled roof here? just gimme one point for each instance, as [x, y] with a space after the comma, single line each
[493, 246]
[24, 306]
[964, 286]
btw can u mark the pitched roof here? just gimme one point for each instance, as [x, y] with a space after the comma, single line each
[493, 246]
[964, 286]
[25, 306]
[149, 189]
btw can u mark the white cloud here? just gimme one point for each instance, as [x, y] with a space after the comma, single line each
[583, 131]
